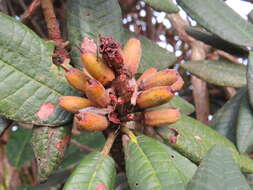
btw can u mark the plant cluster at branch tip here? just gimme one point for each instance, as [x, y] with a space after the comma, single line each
[112, 94]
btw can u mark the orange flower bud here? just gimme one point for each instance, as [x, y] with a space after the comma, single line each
[178, 84]
[91, 122]
[73, 103]
[77, 79]
[98, 69]
[161, 117]
[154, 97]
[132, 55]
[162, 78]
[96, 93]
[146, 74]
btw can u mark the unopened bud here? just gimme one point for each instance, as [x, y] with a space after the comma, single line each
[161, 117]
[73, 103]
[146, 74]
[97, 93]
[178, 84]
[91, 122]
[163, 78]
[154, 97]
[77, 79]
[98, 69]
[132, 55]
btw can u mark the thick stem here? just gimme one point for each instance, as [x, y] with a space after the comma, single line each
[109, 142]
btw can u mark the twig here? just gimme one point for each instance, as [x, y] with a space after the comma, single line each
[200, 92]
[10, 8]
[29, 12]
[81, 146]
[54, 32]
[227, 56]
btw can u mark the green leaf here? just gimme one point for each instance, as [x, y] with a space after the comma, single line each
[194, 139]
[218, 73]
[217, 17]
[93, 17]
[148, 166]
[186, 167]
[74, 154]
[49, 145]
[250, 78]
[244, 129]
[218, 171]
[217, 42]
[94, 172]
[225, 119]
[163, 5]
[18, 148]
[29, 86]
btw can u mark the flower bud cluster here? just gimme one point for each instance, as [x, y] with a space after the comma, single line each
[112, 95]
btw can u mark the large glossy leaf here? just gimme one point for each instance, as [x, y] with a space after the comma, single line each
[244, 131]
[186, 167]
[220, 19]
[225, 119]
[178, 102]
[250, 78]
[218, 73]
[194, 139]
[18, 148]
[93, 17]
[218, 171]
[148, 166]
[95, 171]
[49, 145]
[30, 86]
[163, 5]
[217, 42]
[74, 154]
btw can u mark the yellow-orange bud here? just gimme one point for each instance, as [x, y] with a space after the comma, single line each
[163, 78]
[161, 117]
[91, 122]
[96, 93]
[73, 103]
[77, 79]
[132, 55]
[146, 74]
[178, 84]
[154, 97]
[98, 69]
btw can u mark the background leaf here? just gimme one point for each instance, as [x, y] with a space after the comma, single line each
[148, 166]
[244, 130]
[225, 119]
[218, 170]
[29, 86]
[194, 139]
[163, 5]
[74, 154]
[217, 17]
[218, 73]
[217, 42]
[49, 145]
[94, 172]
[93, 17]
[250, 77]
[3, 123]
[18, 148]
